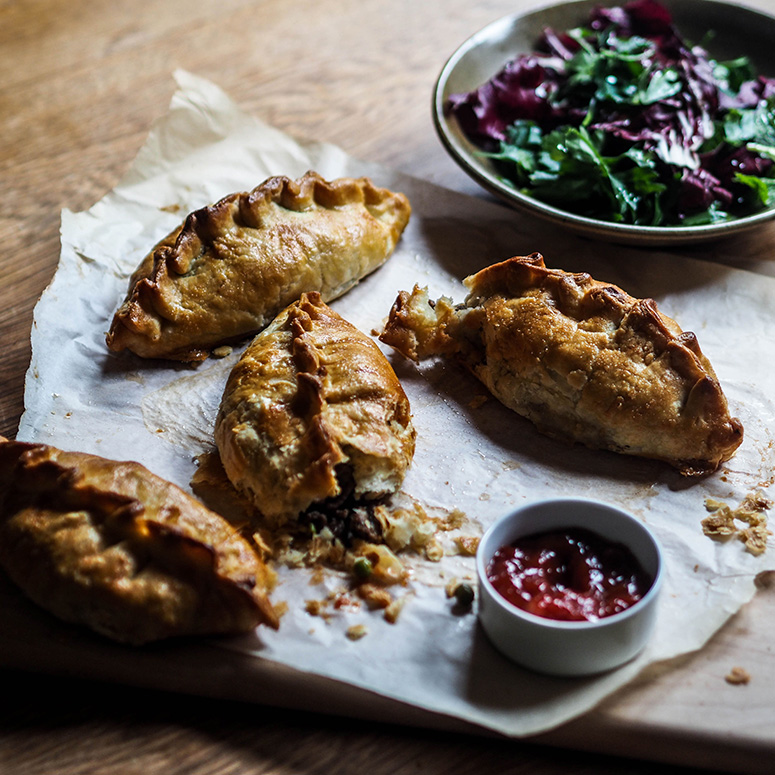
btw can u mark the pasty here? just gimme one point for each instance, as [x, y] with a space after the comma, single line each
[313, 411]
[580, 358]
[112, 546]
[231, 267]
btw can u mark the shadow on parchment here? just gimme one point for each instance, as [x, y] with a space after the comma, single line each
[465, 247]
[489, 672]
[517, 435]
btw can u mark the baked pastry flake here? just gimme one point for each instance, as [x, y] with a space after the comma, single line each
[231, 267]
[581, 359]
[114, 547]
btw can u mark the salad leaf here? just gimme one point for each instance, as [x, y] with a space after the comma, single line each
[763, 187]
[565, 167]
[733, 74]
[753, 125]
[661, 85]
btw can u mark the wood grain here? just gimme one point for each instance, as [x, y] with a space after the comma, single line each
[86, 727]
[82, 84]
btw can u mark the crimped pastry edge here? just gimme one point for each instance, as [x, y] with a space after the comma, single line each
[578, 295]
[376, 477]
[137, 318]
[241, 589]
[418, 327]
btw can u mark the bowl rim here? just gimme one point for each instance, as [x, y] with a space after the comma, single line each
[562, 625]
[464, 153]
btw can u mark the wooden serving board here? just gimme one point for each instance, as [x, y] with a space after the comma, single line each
[82, 84]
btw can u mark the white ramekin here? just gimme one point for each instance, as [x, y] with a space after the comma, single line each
[569, 647]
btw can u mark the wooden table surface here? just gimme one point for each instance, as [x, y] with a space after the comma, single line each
[82, 83]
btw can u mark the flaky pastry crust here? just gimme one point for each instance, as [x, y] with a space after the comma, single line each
[114, 547]
[310, 395]
[580, 358]
[231, 267]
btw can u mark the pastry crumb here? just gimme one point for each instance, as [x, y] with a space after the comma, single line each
[477, 401]
[711, 504]
[467, 545]
[394, 609]
[720, 523]
[453, 520]
[223, 351]
[748, 522]
[343, 601]
[738, 676]
[755, 539]
[313, 607]
[756, 501]
[262, 545]
[434, 551]
[374, 596]
[317, 576]
[357, 631]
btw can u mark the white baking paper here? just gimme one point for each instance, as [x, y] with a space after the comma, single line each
[481, 459]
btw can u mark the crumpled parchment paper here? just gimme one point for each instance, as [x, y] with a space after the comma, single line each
[481, 459]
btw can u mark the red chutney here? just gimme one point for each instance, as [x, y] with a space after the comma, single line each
[571, 574]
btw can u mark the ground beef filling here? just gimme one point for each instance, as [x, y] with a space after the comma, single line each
[345, 516]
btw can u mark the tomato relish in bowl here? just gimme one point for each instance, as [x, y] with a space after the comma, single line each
[573, 575]
[569, 586]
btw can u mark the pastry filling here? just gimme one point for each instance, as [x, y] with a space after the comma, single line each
[346, 517]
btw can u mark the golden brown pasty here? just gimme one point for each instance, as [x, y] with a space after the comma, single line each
[112, 546]
[231, 267]
[580, 358]
[313, 408]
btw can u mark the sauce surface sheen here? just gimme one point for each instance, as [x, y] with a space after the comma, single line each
[571, 574]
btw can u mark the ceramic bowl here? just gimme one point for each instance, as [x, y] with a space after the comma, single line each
[736, 30]
[569, 648]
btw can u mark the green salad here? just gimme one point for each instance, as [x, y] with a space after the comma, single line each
[622, 120]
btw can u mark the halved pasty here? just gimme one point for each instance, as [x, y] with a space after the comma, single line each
[231, 267]
[313, 411]
[112, 546]
[580, 358]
